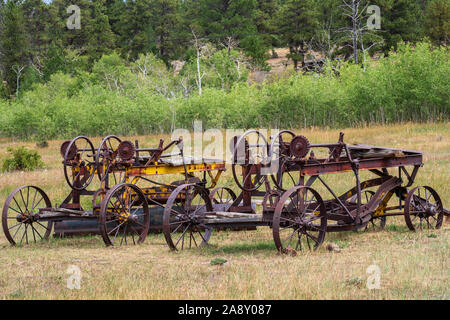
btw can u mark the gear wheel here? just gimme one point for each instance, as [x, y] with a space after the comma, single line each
[299, 147]
[126, 150]
[72, 152]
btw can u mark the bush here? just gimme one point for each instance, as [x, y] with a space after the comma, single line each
[22, 159]
[412, 84]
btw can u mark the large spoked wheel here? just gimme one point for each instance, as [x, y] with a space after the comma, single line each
[105, 158]
[279, 154]
[20, 217]
[423, 209]
[280, 143]
[79, 163]
[250, 152]
[300, 220]
[222, 198]
[124, 216]
[376, 223]
[183, 217]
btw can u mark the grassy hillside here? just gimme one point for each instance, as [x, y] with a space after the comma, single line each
[413, 265]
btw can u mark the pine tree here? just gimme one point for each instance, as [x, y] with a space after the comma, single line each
[298, 22]
[37, 16]
[225, 21]
[14, 45]
[438, 21]
[94, 37]
[327, 36]
[266, 23]
[136, 34]
[165, 22]
[401, 20]
[100, 37]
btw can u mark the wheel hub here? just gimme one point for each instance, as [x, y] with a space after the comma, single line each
[430, 211]
[26, 217]
[133, 218]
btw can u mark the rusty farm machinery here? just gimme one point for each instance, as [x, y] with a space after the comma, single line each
[283, 174]
[120, 210]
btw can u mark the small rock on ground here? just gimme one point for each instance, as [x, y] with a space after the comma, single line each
[333, 247]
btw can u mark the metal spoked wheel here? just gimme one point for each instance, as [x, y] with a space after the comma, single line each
[279, 154]
[279, 145]
[271, 200]
[183, 215]
[79, 163]
[250, 152]
[105, 158]
[124, 216]
[423, 209]
[222, 198]
[376, 223]
[20, 218]
[287, 175]
[300, 220]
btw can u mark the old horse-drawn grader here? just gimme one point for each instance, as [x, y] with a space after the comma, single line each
[285, 176]
[119, 208]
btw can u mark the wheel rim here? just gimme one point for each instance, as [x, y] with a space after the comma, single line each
[423, 209]
[300, 220]
[285, 179]
[222, 198]
[271, 200]
[105, 159]
[20, 218]
[279, 153]
[81, 166]
[182, 222]
[277, 145]
[124, 216]
[252, 165]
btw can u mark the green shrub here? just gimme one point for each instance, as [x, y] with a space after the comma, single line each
[22, 159]
[411, 84]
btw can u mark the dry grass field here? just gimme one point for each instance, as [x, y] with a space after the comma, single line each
[412, 265]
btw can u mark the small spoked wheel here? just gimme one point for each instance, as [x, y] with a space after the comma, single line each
[279, 154]
[124, 216]
[79, 162]
[280, 143]
[376, 223]
[184, 213]
[271, 200]
[423, 209]
[20, 217]
[250, 152]
[300, 220]
[105, 159]
[222, 198]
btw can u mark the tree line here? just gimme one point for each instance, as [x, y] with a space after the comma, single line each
[35, 41]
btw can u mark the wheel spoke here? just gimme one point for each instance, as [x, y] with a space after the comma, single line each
[36, 232]
[182, 235]
[193, 237]
[37, 203]
[18, 207]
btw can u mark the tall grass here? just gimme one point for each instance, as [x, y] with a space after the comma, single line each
[412, 84]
